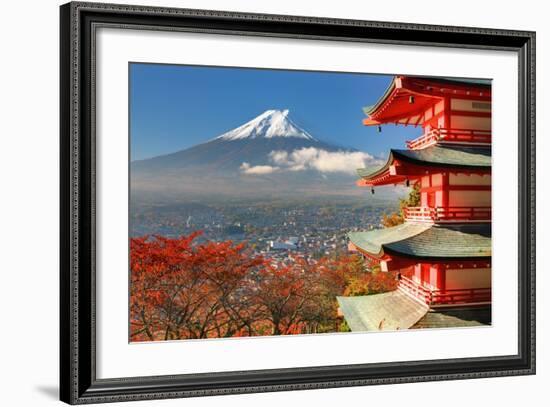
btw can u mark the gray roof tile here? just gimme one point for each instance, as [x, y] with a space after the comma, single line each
[473, 158]
[455, 318]
[381, 312]
[428, 241]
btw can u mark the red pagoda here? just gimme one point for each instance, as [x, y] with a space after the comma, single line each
[441, 253]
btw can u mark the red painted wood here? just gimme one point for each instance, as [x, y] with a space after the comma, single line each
[443, 278]
[435, 297]
[434, 88]
[450, 136]
[470, 113]
[396, 108]
[458, 188]
[412, 172]
[445, 190]
[448, 214]
[447, 112]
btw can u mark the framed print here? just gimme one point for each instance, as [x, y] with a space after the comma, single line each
[255, 203]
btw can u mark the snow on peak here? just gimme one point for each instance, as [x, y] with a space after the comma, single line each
[271, 123]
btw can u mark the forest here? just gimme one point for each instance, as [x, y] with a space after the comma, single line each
[183, 289]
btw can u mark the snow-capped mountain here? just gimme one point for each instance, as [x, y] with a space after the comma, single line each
[270, 124]
[250, 143]
[268, 156]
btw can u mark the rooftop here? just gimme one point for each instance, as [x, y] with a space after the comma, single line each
[381, 312]
[427, 241]
[396, 310]
[444, 157]
[455, 317]
[373, 241]
[395, 107]
[448, 155]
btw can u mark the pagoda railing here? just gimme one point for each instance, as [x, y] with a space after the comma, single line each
[448, 214]
[436, 297]
[452, 136]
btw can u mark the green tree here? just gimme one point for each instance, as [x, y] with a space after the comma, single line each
[396, 218]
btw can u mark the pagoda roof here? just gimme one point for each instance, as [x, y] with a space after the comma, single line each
[445, 157]
[394, 106]
[427, 241]
[397, 310]
[455, 317]
[449, 156]
[381, 312]
[373, 241]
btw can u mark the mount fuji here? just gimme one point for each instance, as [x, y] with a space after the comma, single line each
[268, 125]
[268, 157]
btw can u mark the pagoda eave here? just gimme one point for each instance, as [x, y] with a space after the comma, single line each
[449, 262]
[393, 261]
[386, 262]
[401, 172]
[403, 165]
[407, 97]
[384, 179]
[395, 173]
[423, 242]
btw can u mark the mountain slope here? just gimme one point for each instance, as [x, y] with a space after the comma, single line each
[220, 154]
[252, 143]
[269, 156]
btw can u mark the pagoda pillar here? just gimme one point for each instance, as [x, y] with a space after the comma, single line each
[445, 190]
[441, 277]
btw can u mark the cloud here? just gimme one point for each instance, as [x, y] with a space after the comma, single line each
[322, 160]
[278, 157]
[311, 158]
[257, 169]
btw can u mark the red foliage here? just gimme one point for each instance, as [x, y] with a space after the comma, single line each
[181, 289]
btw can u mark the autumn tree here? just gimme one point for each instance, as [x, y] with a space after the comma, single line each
[183, 289]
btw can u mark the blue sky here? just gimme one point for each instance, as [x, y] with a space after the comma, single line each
[173, 107]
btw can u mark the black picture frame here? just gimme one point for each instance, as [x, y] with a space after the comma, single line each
[78, 382]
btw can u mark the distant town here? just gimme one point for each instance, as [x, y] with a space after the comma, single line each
[273, 230]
